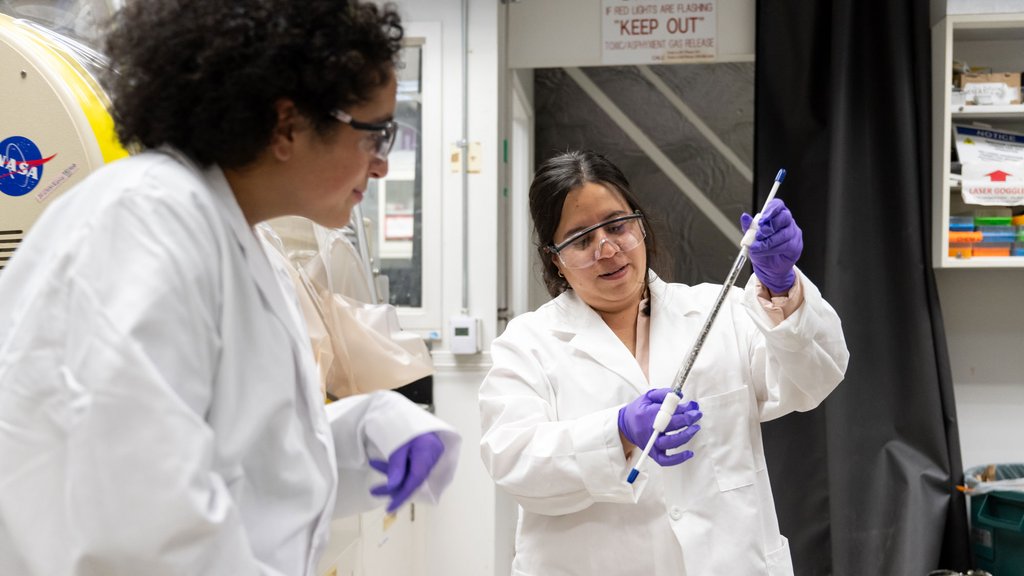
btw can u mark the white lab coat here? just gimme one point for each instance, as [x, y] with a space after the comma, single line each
[159, 410]
[550, 437]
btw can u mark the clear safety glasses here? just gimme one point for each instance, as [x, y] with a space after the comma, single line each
[583, 249]
[381, 137]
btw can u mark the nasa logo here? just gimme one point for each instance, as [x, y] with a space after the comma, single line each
[21, 165]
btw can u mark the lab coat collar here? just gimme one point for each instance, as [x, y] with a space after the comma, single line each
[590, 336]
[585, 330]
[675, 322]
[675, 319]
[273, 284]
[679, 300]
[267, 280]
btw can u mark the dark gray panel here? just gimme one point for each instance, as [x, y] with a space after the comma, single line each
[693, 250]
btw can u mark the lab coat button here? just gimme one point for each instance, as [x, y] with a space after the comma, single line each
[675, 513]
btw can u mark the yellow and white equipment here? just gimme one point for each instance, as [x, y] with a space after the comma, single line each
[54, 124]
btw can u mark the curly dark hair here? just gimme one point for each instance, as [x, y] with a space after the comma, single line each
[552, 182]
[204, 75]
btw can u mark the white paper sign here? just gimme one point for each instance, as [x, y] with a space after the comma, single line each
[657, 31]
[992, 165]
[978, 144]
[991, 184]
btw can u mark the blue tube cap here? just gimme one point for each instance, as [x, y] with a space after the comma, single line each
[632, 475]
[781, 175]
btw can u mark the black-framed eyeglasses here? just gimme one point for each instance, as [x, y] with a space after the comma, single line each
[381, 137]
[583, 249]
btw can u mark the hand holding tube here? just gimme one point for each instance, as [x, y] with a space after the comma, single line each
[777, 245]
[637, 423]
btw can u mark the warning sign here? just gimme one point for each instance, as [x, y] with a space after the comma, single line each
[657, 32]
[992, 165]
[992, 184]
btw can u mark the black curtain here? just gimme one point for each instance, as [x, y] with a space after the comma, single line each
[866, 483]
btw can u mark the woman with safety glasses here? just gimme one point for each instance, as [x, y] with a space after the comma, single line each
[570, 400]
[160, 411]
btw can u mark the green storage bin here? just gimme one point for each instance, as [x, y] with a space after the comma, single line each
[997, 522]
[992, 221]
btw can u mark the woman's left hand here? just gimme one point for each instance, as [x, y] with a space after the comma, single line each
[407, 468]
[777, 246]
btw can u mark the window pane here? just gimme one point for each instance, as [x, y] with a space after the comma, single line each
[395, 204]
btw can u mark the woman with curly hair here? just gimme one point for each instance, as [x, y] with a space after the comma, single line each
[159, 407]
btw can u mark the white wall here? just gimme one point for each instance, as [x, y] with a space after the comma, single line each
[984, 6]
[984, 321]
[463, 534]
[484, 124]
[470, 532]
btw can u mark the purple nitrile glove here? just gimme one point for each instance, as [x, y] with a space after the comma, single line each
[407, 468]
[777, 246]
[636, 421]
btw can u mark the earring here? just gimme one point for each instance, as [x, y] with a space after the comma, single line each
[560, 275]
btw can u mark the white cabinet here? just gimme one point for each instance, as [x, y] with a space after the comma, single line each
[991, 40]
[391, 544]
[375, 543]
[343, 556]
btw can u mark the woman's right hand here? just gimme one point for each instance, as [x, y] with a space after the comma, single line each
[636, 424]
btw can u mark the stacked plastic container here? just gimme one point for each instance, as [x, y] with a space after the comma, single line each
[1018, 243]
[989, 231]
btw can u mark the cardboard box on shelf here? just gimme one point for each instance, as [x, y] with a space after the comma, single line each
[995, 88]
[959, 73]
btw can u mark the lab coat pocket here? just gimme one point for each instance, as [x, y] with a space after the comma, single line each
[726, 426]
[780, 563]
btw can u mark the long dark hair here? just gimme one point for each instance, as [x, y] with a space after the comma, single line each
[553, 181]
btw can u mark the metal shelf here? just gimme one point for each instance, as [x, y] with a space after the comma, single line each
[984, 262]
[994, 40]
[1008, 112]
